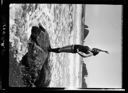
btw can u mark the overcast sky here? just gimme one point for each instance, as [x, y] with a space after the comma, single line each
[104, 22]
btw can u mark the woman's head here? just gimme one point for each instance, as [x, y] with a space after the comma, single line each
[95, 51]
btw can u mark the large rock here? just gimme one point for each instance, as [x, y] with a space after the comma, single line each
[35, 64]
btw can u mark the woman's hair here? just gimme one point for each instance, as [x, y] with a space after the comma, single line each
[95, 51]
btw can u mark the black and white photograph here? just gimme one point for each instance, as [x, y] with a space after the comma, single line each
[70, 46]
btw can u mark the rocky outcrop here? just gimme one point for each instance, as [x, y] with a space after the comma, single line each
[34, 66]
[36, 71]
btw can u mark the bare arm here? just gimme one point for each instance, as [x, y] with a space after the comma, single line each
[87, 55]
[102, 51]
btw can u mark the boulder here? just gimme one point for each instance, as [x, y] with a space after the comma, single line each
[36, 69]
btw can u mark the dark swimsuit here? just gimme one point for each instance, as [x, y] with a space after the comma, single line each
[80, 48]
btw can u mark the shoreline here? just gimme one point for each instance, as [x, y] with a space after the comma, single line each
[75, 59]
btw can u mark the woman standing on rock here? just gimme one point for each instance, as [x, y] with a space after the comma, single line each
[80, 49]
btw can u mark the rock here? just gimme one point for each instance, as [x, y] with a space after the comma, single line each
[45, 76]
[36, 70]
[85, 32]
[84, 74]
[15, 77]
[84, 70]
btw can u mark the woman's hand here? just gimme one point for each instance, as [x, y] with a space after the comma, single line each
[99, 50]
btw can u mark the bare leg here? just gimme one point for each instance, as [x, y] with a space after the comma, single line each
[56, 50]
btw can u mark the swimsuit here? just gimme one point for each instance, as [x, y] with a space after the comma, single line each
[81, 48]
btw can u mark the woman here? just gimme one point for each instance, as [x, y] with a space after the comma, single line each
[80, 49]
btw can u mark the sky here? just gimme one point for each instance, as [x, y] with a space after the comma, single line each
[105, 32]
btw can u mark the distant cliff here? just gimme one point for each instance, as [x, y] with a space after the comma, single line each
[84, 74]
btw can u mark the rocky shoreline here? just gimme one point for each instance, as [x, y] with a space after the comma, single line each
[36, 66]
[34, 69]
